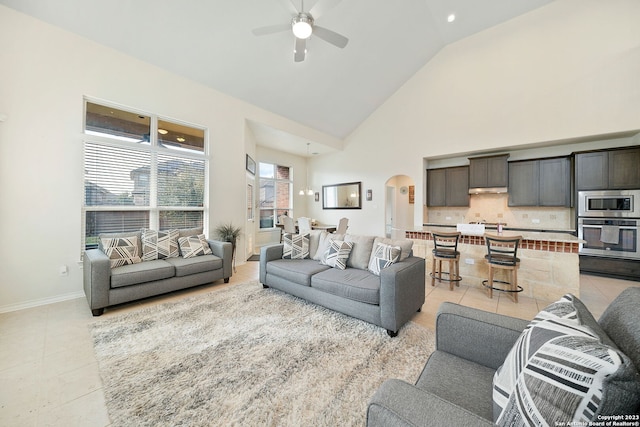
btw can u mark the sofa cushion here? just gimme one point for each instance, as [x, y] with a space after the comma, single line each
[405, 245]
[559, 369]
[361, 252]
[143, 272]
[314, 241]
[352, 283]
[459, 381]
[199, 264]
[186, 232]
[193, 246]
[382, 257]
[159, 244]
[337, 254]
[296, 246]
[295, 270]
[121, 250]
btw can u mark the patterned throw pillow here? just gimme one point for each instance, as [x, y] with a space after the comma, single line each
[337, 254]
[560, 371]
[121, 250]
[159, 244]
[296, 246]
[193, 246]
[383, 256]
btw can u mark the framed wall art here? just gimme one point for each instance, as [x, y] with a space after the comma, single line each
[251, 165]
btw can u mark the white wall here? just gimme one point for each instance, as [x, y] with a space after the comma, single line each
[45, 72]
[567, 70]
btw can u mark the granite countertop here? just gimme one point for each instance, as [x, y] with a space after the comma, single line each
[527, 234]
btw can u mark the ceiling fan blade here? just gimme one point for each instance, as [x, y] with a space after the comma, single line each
[322, 6]
[289, 6]
[330, 36]
[299, 50]
[271, 29]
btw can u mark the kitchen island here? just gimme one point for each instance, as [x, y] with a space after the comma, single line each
[549, 262]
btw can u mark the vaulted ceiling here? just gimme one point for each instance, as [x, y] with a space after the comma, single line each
[333, 90]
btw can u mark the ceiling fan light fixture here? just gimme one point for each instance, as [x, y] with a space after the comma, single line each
[302, 26]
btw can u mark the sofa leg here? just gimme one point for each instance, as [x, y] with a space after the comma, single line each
[391, 333]
[265, 286]
[97, 312]
[420, 309]
[226, 280]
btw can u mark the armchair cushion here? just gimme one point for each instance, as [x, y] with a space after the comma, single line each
[559, 370]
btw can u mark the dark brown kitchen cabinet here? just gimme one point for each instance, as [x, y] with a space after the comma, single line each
[624, 169]
[523, 183]
[608, 170]
[490, 171]
[541, 182]
[448, 186]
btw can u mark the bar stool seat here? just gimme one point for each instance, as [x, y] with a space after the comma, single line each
[445, 248]
[502, 253]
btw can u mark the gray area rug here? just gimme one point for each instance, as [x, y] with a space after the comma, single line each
[248, 356]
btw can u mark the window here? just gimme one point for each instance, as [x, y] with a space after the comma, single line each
[275, 193]
[140, 171]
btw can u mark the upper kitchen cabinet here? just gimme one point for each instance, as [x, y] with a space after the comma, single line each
[490, 171]
[448, 186]
[541, 182]
[608, 170]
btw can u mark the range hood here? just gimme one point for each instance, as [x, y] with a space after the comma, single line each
[488, 190]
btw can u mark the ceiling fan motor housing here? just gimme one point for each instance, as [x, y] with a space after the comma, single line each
[302, 25]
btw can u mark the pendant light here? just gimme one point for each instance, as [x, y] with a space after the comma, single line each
[307, 190]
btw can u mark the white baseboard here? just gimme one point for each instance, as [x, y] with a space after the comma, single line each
[42, 301]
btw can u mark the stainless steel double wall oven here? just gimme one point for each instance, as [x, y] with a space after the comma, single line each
[608, 222]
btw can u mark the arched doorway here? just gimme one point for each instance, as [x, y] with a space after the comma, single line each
[399, 205]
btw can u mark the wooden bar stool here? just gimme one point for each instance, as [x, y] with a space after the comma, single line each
[445, 248]
[502, 253]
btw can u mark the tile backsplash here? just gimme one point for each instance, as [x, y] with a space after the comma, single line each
[494, 208]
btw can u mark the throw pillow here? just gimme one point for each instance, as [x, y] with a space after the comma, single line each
[193, 246]
[159, 244]
[296, 246]
[323, 244]
[382, 257]
[405, 244]
[560, 371]
[337, 254]
[121, 250]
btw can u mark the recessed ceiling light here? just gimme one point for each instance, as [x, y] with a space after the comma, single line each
[180, 139]
[163, 131]
[451, 18]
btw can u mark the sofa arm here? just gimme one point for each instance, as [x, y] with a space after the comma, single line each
[397, 403]
[476, 335]
[223, 250]
[269, 253]
[401, 292]
[96, 272]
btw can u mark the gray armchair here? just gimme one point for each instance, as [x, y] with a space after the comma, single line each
[455, 386]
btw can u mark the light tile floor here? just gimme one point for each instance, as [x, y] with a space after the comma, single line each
[49, 374]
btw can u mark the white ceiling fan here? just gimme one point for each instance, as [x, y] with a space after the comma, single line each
[303, 26]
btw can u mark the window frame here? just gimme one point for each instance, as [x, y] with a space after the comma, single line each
[276, 181]
[156, 151]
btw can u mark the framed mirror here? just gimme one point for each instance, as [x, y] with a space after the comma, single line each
[342, 196]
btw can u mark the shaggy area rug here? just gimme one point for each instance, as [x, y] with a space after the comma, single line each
[248, 356]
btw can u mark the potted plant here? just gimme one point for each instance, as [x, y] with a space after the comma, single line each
[227, 232]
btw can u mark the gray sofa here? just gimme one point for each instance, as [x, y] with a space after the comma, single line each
[388, 300]
[455, 387]
[105, 286]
